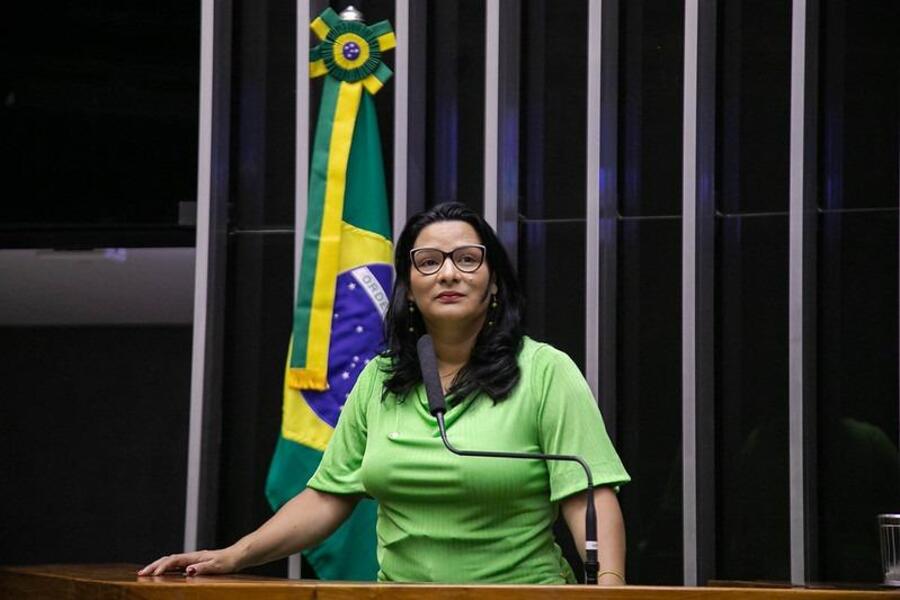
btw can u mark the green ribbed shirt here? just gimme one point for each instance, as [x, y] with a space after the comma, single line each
[451, 519]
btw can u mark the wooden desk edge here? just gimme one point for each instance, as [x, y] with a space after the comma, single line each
[121, 582]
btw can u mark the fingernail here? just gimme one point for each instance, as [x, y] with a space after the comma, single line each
[191, 571]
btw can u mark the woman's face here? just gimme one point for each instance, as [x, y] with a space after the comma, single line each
[450, 294]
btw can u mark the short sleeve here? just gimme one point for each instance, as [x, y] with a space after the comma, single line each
[339, 469]
[569, 422]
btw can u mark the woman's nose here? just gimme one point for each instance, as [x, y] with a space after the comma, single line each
[448, 271]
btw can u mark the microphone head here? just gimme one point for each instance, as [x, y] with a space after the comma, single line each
[430, 376]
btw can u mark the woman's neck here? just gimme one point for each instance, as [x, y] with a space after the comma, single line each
[453, 343]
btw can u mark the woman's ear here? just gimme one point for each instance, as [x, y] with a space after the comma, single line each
[494, 289]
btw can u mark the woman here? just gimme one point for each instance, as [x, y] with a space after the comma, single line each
[441, 517]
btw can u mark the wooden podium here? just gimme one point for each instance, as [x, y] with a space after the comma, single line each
[120, 582]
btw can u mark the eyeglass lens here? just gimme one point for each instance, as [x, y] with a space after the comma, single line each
[466, 258]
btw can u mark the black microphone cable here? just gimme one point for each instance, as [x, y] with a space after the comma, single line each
[437, 408]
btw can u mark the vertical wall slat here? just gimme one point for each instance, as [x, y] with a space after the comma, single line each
[602, 203]
[409, 112]
[609, 221]
[501, 120]
[301, 139]
[195, 435]
[301, 168]
[401, 115]
[201, 494]
[705, 298]
[491, 107]
[698, 293]
[802, 291]
[592, 196]
[608, 244]
[688, 300]
[508, 84]
[417, 42]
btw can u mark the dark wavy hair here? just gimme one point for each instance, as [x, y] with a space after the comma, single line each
[493, 367]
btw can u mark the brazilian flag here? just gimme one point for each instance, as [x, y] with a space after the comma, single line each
[345, 279]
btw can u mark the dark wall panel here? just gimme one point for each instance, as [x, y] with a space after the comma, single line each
[96, 99]
[551, 267]
[648, 312]
[93, 443]
[651, 74]
[649, 402]
[258, 328]
[858, 461]
[553, 127]
[455, 103]
[753, 529]
[859, 465]
[751, 290]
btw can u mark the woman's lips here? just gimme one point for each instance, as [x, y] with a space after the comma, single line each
[449, 297]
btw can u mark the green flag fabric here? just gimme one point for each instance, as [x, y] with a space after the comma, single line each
[345, 279]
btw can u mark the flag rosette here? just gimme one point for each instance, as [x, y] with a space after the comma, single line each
[351, 51]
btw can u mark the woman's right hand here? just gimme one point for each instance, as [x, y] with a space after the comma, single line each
[307, 519]
[204, 562]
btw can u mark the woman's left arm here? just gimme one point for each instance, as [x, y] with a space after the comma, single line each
[610, 532]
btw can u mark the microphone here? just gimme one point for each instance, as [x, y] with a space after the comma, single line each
[430, 376]
[437, 407]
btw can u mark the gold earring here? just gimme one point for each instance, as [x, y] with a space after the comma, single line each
[493, 308]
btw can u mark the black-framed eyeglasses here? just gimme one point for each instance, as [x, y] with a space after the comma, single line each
[429, 261]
